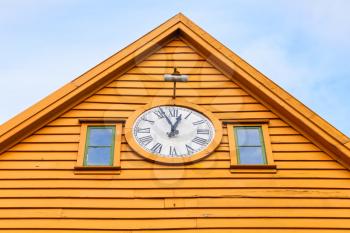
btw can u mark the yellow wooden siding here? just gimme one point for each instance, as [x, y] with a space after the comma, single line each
[38, 188]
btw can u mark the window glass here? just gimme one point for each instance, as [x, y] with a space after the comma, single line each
[98, 156]
[100, 146]
[100, 136]
[250, 145]
[248, 136]
[251, 155]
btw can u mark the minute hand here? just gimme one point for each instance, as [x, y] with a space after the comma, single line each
[166, 117]
[174, 131]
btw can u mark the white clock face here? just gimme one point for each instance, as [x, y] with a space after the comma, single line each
[173, 131]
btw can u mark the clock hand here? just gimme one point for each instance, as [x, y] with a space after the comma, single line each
[166, 117]
[173, 128]
[169, 122]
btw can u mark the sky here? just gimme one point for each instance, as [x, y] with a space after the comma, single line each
[302, 45]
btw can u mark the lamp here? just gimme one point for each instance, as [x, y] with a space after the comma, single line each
[175, 77]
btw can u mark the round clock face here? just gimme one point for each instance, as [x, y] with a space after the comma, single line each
[173, 131]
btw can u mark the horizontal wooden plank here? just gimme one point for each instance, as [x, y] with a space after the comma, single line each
[215, 156]
[65, 130]
[278, 123]
[214, 230]
[164, 70]
[274, 223]
[288, 139]
[212, 108]
[176, 56]
[98, 114]
[175, 213]
[190, 223]
[225, 164]
[301, 156]
[178, 64]
[176, 43]
[175, 193]
[169, 92]
[45, 147]
[186, 183]
[174, 50]
[296, 140]
[234, 107]
[185, 173]
[309, 165]
[52, 138]
[245, 115]
[64, 122]
[38, 155]
[283, 131]
[160, 78]
[159, 203]
[107, 106]
[294, 147]
[254, 202]
[127, 113]
[179, 85]
[82, 203]
[148, 99]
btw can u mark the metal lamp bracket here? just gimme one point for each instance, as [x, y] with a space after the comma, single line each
[176, 76]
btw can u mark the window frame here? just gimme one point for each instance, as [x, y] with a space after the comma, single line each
[261, 140]
[87, 143]
[235, 166]
[81, 167]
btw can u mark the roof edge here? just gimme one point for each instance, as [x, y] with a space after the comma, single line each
[22, 121]
[239, 70]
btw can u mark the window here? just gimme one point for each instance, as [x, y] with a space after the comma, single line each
[250, 148]
[99, 147]
[249, 145]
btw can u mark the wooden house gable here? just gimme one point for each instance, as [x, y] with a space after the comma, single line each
[55, 146]
[41, 189]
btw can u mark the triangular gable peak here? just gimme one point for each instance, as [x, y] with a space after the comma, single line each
[256, 84]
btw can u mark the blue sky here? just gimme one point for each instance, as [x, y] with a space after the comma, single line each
[302, 45]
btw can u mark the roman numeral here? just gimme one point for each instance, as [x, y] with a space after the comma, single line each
[146, 140]
[145, 119]
[198, 122]
[202, 131]
[172, 151]
[188, 115]
[157, 148]
[143, 130]
[200, 141]
[173, 112]
[189, 149]
[159, 113]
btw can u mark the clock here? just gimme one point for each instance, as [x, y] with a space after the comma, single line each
[173, 132]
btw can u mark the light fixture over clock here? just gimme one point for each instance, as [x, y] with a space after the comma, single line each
[176, 76]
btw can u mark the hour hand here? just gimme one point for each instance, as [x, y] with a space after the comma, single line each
[174, 131]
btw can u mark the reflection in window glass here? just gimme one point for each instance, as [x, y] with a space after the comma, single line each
[250, 145]
[99, 146]
[100, 136]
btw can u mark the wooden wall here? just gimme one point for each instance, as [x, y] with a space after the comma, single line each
[39, 190]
